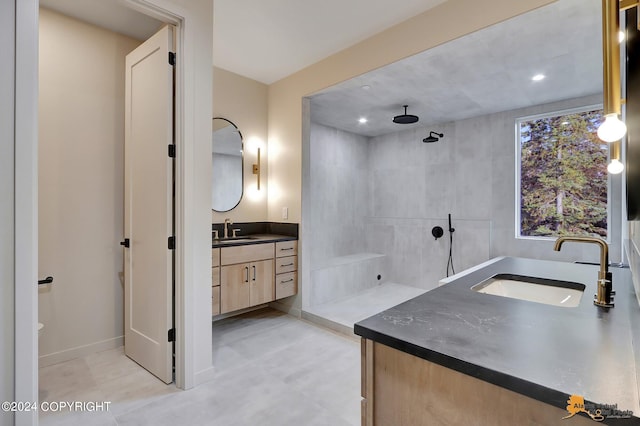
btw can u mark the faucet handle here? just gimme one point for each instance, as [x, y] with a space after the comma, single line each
[233, 232]
[216, 234]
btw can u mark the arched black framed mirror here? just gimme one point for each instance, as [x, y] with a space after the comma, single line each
[228, 165]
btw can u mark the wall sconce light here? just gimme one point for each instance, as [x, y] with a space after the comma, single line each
[256, 169]
[615, 165]
[613, 129]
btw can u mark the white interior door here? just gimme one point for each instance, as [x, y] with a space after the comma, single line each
[149, 205]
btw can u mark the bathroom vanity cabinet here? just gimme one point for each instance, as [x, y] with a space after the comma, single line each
[286, 269]
[253, 274]
[215, 281]
[246, 276]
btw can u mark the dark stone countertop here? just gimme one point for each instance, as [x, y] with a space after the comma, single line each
[541, 351]
[244, 240]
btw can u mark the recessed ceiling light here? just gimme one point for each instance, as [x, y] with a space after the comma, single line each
[365, 87]
[538, 77]
[362, 120]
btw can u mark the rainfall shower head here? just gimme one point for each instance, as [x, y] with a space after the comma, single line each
[405, 118]
[431, 138]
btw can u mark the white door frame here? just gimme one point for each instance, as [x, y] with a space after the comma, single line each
[192, 210]
[26, 208]
[193, 123]
[167, 13]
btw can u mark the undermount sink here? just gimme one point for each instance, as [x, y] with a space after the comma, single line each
[234, 240]
[540, 290]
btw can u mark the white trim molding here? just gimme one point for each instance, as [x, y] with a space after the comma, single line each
[194, 39]
[26, 208]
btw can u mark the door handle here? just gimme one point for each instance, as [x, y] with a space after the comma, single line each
[254, 273]
[47, 280]
[125, 243]
[246, 270]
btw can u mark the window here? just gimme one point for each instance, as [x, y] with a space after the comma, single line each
[562, 181]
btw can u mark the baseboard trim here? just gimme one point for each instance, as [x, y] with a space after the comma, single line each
[288, 309]
[79, 351]
[327, 323]
[204, 376]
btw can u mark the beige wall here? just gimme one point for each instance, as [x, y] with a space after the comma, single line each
[244, 101]
[81, 149]
[443, 23]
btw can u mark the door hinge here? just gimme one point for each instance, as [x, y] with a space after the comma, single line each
[171, 335]
[172, 58]
[172, 150]
[172, 243]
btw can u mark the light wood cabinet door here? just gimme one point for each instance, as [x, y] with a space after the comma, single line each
[215, 257]
[261, 280]
[286, 248]
[286, 264]
[286, 285]
[235, 288]
[215, 300]
[247, 253]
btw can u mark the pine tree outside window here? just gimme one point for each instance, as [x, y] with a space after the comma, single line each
[562, 175]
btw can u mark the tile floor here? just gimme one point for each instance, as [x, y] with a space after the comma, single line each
[342, 314]
[271, 369]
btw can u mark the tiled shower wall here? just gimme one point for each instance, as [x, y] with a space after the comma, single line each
[384, 194]
[339, 193]
[414, 186]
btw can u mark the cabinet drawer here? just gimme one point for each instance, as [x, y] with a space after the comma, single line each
[286, 264]
[248, 253]
[215, 257]
[215, 276]
[286, 284]
[286, 248]
[215, 300]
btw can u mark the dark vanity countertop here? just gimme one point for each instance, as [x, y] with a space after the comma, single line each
[243, 240]
[545, 352]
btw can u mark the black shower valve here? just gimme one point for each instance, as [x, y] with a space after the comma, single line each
[437, 232]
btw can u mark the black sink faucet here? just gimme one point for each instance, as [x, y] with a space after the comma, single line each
[604, 296]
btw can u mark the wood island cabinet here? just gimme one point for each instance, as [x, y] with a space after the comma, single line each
[399, 389]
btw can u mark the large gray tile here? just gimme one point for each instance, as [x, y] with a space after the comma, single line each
[271, 369]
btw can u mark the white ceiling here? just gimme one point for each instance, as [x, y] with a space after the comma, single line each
[482, 73]
[269, 40]
[264, 40]
[111, 14]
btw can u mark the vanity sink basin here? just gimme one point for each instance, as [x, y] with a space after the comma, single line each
[234, 240]
[540, 290]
